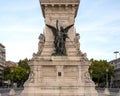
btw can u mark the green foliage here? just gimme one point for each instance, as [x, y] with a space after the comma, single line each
[24, 64]
[18, 74]
[7, 75]
[98, 71]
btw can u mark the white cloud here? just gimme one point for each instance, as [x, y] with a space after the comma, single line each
[21, 49]
[100, 54]
[20, 28]
[97, 22]
[19, 5]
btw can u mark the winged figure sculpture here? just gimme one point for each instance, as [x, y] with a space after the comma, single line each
[60, 35]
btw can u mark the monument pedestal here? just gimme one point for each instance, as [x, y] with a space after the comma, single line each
[59, 76]
[64, 72]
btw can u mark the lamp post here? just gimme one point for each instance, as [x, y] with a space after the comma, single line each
[12, 78]
[91, 71]
[106, 78]
[116, 52]
[107, 92]
[12, 91]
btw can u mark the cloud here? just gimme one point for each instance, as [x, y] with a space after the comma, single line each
[16, 5]
[100, 54]
[96, 21]
[21, 48]
[20, 28]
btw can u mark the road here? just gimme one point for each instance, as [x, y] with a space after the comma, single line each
[113, 91]
[5, 91]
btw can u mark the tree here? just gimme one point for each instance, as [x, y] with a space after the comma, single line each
[15, 74]
[6, 73]
[24, 64]
[98, 71]
[18, 74]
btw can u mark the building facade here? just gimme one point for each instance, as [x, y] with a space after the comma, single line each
[2, 63]
[116, 79]
[11, 64]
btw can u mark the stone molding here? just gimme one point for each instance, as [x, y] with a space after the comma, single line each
[59, 1]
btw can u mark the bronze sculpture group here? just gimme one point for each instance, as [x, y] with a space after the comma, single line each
[60, 35]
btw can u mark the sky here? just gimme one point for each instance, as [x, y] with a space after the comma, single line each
[97, 22]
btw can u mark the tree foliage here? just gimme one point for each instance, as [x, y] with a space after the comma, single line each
[98, 71]
[7, 73]
[18, 74]
[24, 64]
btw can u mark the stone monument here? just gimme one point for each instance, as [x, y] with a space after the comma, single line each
[59, 68]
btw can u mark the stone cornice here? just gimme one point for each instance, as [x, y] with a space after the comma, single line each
[66, 3]
[59, 1]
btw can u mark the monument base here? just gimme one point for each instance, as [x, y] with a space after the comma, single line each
[59, 76]
[59, 91]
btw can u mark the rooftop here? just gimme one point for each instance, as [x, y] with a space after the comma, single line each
[2, 45]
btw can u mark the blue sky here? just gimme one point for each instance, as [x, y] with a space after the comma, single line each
[97, 21]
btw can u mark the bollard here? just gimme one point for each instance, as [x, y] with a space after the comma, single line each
[12, 92]
[107, 92]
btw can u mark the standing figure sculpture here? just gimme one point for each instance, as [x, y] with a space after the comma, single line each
[41, 43]
[60, 35]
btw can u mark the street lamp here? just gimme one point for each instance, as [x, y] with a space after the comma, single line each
[12, 91]
[107, 78]
[12, 78]
[116, 52]
[91, 71]
[107, 92]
